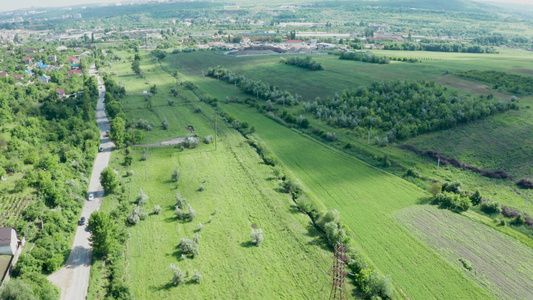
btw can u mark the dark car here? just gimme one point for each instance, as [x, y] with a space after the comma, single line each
[101, 149]
[82, 221]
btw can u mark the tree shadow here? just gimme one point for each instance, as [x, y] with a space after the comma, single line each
[167, 286]
[294, 209]
[170, 219]
[424, 200]
[247, 244]
[318, 238]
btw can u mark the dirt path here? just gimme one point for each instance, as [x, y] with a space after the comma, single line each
[73, 278]
[171, 142]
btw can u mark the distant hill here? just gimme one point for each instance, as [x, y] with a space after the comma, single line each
[446, 5]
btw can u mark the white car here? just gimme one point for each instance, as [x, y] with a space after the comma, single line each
[90, 197]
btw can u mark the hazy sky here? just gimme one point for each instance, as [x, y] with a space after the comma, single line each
[17, 4]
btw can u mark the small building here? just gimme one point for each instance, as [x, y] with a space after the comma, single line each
[52, 58]
[4, 74]
[27, 59]
[9, 52]
[75, 66]
[8, 241]
[73, 60]
[79, 72]
[44, 79]
[61, 93]
[293, 41]
[31, 51]
[61, 48]
[18, 76]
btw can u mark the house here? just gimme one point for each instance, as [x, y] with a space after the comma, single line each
[8, 241]
[27, 59]
[44, 79]
[61, 93]
[9, 52]
[293, 41]
[61, 48]
[79, 72]
[73, 60]
[75, 66]
[31, 51]
[18, 76]
[52, 58]
[4, 74]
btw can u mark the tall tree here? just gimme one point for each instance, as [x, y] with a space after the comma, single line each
[136, 66]
[118, 126]
[104, 232]
[108, 179]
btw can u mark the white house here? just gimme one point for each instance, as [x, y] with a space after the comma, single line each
[8, 241]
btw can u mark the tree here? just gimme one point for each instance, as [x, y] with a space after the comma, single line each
[118, 126]
[159, 54]
[104, 232]
[178, 276]
[175, 176]
[257, 236]
[435, 188]
[164, 123]
[188, 247]
[136, 66]
[108, 179]
[17, 289]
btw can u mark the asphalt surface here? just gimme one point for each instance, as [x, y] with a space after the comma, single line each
[73, 278]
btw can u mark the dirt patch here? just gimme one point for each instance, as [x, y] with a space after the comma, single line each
[171, 142]
[469, 86]
[523, 71]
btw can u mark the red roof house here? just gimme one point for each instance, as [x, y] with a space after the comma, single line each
[27, 59]
[73, 60]
[4, 74]
[18, 76]
[75, 72]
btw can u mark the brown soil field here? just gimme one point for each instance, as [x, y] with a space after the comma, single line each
[469, 86]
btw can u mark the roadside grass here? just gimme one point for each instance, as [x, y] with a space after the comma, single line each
[500, 263]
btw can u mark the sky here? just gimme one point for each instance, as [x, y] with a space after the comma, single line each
[7, 5]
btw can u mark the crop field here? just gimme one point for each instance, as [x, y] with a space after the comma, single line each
[12, 207]
[501, 141]
[499, 263]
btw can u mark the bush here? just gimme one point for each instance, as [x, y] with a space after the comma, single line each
[454, 187]
[466, 264]
[141, 198]
[476, 198]
[491, 207]
[435, 188]
[180, 201]
[200, 227]
[201, 188]
[191, 213]
[208, 139]
[257, 236]
[331, 136]
[175, 175]
[188, 247]
[180, 214]
[413, 172]
[178, 276]
[157, 209]
[196, 277]
[164, 124]
[198, 109]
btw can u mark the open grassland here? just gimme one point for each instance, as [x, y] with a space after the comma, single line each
[500, 263]
[289, 264]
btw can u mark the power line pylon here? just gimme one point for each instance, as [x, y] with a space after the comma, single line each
[338, 273]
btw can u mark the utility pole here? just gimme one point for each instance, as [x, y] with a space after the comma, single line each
[438, 165]
[369, 137]
[216, 129]
[527, 199]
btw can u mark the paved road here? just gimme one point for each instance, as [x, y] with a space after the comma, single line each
[73, 278]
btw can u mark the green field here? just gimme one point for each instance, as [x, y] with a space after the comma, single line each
[367, 197]
[499, 262]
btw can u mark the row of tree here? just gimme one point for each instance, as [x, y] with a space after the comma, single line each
[512, 83]
[303, 62]
[439, 47]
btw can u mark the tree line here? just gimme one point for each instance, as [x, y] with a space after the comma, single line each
[303, 62]
[512, 83]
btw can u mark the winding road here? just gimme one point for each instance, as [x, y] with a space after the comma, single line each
[73, 278]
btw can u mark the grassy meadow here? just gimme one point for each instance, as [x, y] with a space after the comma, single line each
[242, 190]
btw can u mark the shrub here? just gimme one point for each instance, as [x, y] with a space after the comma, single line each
[208, 139]
[519, 220]
[491, 207]
[331, 136]
[196, 239]
[196, 277]
[413, 172]
[332, 215]
[130, 173]
[290, 187]
[476, 198]
[466, 264]
[332, 231]
[170, 102]
[198, 109]
[188, 247]
[201, 188]
[178, 276]
[164, 124]
[180, 201]
[435, 188]
[175, 175]
[257, 236]
[525, 183]
[454, 187]
[141, 198]
[191, 213]
[157, 209]
[200, 226]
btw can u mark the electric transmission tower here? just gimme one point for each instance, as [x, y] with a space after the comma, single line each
[338, 272]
